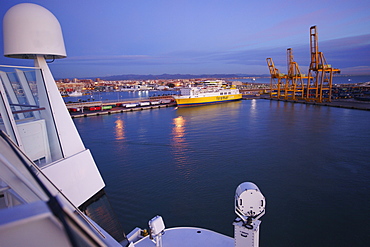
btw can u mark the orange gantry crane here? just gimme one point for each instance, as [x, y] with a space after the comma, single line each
[277, 81]
[291, 85]
[286, 86]
[294, 87]
[320, 74]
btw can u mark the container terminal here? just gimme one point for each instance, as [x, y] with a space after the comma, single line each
[317, 86]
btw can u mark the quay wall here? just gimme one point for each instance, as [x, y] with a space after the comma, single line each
[341, 103]
[87, 109]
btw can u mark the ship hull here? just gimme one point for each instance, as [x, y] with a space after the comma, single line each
[192, 101]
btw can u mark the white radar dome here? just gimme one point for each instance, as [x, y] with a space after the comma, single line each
[249, 201]
[30, 30]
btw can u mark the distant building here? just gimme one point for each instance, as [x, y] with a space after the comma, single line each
[237, 83]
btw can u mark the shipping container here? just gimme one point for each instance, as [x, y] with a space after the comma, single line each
[92, 108]
[130, 105]
[74, 109]
[165, 101]
[144, 103]
[107, 107]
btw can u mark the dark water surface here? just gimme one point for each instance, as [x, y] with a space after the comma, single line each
[310, 162]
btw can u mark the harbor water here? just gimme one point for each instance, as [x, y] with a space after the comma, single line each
[310, 162]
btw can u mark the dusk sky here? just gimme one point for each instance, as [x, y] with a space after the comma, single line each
[115, 37]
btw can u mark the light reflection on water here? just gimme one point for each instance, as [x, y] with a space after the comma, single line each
[310, 162]
[120, 129]
[179, 144]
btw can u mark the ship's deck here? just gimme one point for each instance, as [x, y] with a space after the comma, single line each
[189, 237]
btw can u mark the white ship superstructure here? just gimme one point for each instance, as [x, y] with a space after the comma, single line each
[32, 110]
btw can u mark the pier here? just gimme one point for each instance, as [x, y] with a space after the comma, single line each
[96, 108]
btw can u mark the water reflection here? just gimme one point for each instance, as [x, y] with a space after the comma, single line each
[181, 150]
[179, 129]
[253, 106]
[208, 112]
[253, 112]
[119, 129]
[178, 133]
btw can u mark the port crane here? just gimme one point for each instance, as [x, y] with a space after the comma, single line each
[286, 86]
[320, 74]
[277, 81]
[294, 86]
[319, 79]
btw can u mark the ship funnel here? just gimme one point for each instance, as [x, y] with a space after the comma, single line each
[31, 30]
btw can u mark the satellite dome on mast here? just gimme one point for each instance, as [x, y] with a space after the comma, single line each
[30, 30]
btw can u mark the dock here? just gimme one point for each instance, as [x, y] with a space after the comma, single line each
[97, 108]
[340, 103]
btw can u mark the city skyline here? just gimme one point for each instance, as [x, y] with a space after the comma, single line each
[204, 37]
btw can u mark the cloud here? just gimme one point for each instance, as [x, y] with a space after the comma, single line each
[357, 70]
[350, 53]
[112, 57]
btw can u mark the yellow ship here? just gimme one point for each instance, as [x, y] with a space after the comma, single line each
[206, 95]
